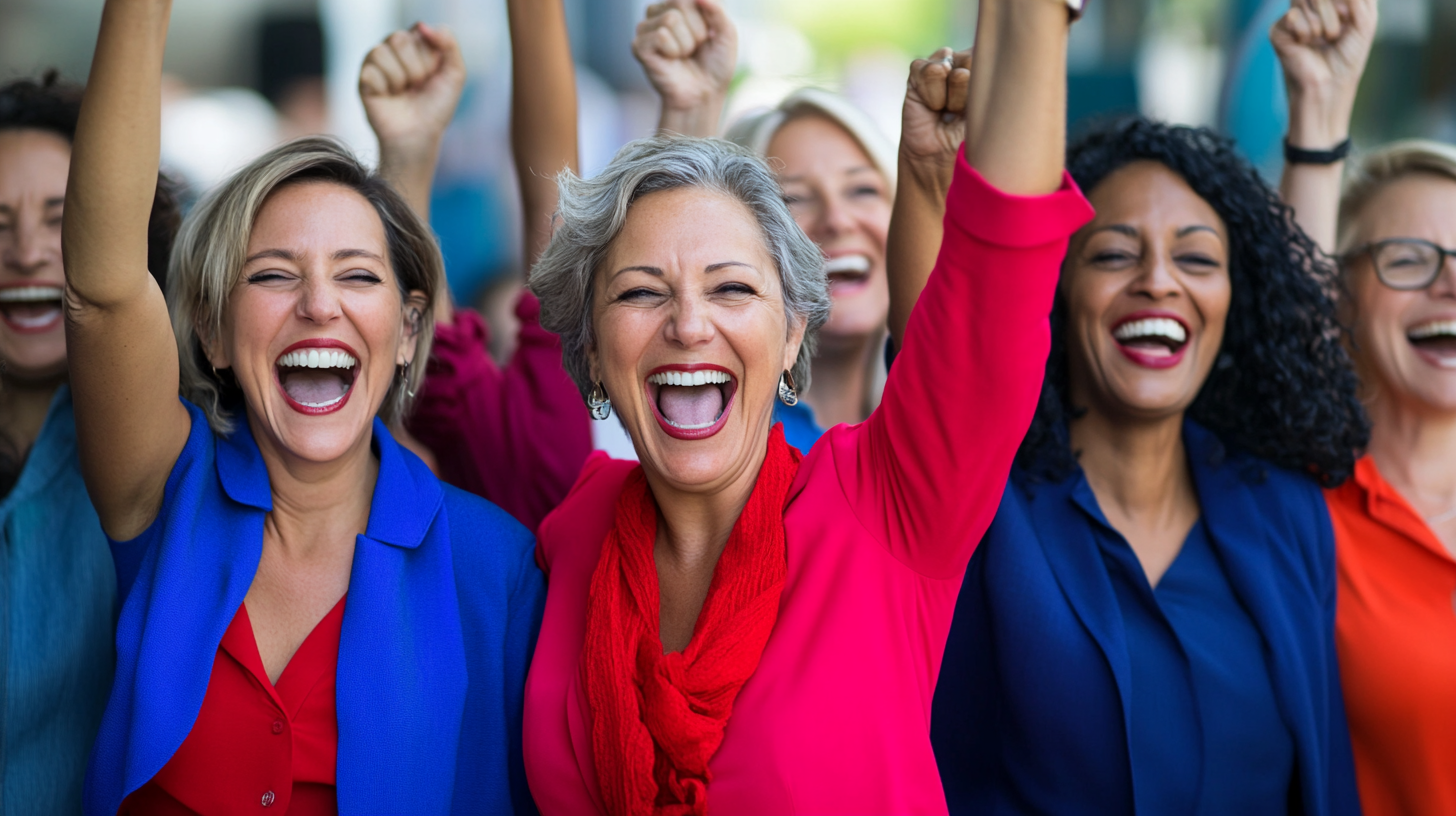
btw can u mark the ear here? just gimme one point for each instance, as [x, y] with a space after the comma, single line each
[412, 321]
[797, 327]
[212, 347]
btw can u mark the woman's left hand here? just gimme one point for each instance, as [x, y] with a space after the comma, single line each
[933, 120]
[1323, 46]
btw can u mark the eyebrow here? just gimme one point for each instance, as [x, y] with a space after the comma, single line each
[290, 255]
[56, 201]
[1131, 232]
[864, 168]
[657, 271]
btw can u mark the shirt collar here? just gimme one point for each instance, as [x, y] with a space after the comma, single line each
[407, 496]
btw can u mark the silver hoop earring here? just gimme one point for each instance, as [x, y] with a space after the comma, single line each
[787, 394]
[598, 403]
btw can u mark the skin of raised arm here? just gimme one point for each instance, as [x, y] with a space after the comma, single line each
[1016, 129]
[543, 112]
[932, 128]
[689, 50]
[410, 85]
[123, 356]
[1323, 46]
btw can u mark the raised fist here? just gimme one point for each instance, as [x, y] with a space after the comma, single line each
[410, 85]
[1323, 45]
[933, 120]
[689, 49]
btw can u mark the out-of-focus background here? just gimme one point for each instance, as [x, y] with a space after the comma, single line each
[245, 74]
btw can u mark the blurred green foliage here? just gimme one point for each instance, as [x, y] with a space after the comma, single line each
[838, 28]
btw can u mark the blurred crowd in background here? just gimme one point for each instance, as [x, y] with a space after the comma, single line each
[247, 74]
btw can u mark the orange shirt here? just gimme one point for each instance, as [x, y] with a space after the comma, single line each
[1395, 626]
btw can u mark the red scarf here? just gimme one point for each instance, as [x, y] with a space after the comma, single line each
[658, 718]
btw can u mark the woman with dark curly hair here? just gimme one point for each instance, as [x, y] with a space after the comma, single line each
[1147, 626]
[57, 583]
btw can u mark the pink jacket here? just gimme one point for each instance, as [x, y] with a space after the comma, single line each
[517, 436]
[880, 523]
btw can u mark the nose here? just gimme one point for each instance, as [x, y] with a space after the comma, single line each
[690, 325]
[318, 300]
[1155, 279]
[834, 219]
[1444, 286]
[28, 251]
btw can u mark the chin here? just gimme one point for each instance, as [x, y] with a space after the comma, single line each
[34, 364]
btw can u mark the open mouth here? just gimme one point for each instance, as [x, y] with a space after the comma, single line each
[1152, 342]
[30, 309]
[1435, 341]
[317, 376]
[846, 273]
[691, 401]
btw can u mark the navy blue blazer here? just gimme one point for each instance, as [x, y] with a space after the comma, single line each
[444, 603]
[1031, 712]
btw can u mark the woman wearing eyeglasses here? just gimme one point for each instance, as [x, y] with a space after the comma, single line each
[1395, 521]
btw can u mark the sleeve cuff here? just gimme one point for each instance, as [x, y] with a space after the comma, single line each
[978, 209]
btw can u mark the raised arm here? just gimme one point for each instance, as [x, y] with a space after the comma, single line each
[926, 471]
[543, 112]
[689, 50]
[1323, 46]
[122, 353]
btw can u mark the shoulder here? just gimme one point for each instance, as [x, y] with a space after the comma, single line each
[585, 514]
[480, 529]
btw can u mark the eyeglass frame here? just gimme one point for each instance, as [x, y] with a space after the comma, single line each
[1369, 250]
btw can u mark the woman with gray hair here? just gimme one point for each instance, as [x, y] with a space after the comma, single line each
[241, 515]
[806, 598]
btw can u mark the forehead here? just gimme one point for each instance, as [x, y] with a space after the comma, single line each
[1149, 195]
[812, 144]
[33, 162]
[1416, 205]
[688, 228]
[317, 216]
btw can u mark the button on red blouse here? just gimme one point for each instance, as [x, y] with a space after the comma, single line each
[256, 747]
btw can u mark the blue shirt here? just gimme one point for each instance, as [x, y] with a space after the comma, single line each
[800, 428]
[1206, 734]
[1059, 688]
[444, 603]
[58, 599]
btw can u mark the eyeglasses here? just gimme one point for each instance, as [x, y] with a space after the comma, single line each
[1404, 263]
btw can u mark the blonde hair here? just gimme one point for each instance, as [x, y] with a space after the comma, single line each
[756, 130]
[1373, 171]
[212, 246]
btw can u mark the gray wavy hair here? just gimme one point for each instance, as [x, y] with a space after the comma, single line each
[592, 211]
[207, 262]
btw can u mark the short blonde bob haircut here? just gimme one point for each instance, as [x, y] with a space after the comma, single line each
[1374, 170]
[207, 263]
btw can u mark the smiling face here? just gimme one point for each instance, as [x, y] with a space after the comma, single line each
[34, 165]
[843, 203]
[1406, 340]
[1147, 291]
[692, 336]
[316, 325]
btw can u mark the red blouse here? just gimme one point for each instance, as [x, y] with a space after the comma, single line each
[256, 747]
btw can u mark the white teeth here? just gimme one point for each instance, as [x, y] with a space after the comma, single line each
[1435, 328]
[697, 427]
[333, 401]
[1152, 327]
[317, 358]
[30, 294]
[689, 378]
[858, 264]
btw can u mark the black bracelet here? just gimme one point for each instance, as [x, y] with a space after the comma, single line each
[1299, 155]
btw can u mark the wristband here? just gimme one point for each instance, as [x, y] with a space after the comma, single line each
[1299, 155]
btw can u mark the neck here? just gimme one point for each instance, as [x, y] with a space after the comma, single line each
[693, 526]
[842, 373]
[23, 407]
[1414, 447]
[1137, 469]
[318, 506]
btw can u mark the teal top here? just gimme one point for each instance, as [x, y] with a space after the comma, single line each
[58, 598]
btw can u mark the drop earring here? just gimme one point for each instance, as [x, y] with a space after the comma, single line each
[787, 393]
[598, 403]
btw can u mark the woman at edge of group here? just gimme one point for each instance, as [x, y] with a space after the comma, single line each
[838, 174]
[242, 514]
[1395, 521]
[1148, 626]
[517, 434]
[726, 574]
[57, 583]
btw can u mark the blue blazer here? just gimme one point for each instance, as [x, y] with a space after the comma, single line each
[1031, 712]
[444, 603]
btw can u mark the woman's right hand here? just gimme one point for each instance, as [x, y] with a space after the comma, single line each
[689, 50]
[1323, 46]
[933, 119]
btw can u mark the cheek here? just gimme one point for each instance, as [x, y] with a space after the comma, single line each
[1213, 297]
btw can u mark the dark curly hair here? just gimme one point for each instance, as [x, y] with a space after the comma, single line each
[1282, 387]
[50, 105]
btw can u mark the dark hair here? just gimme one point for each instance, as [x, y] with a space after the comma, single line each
[50, 105]
[1282, 387]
